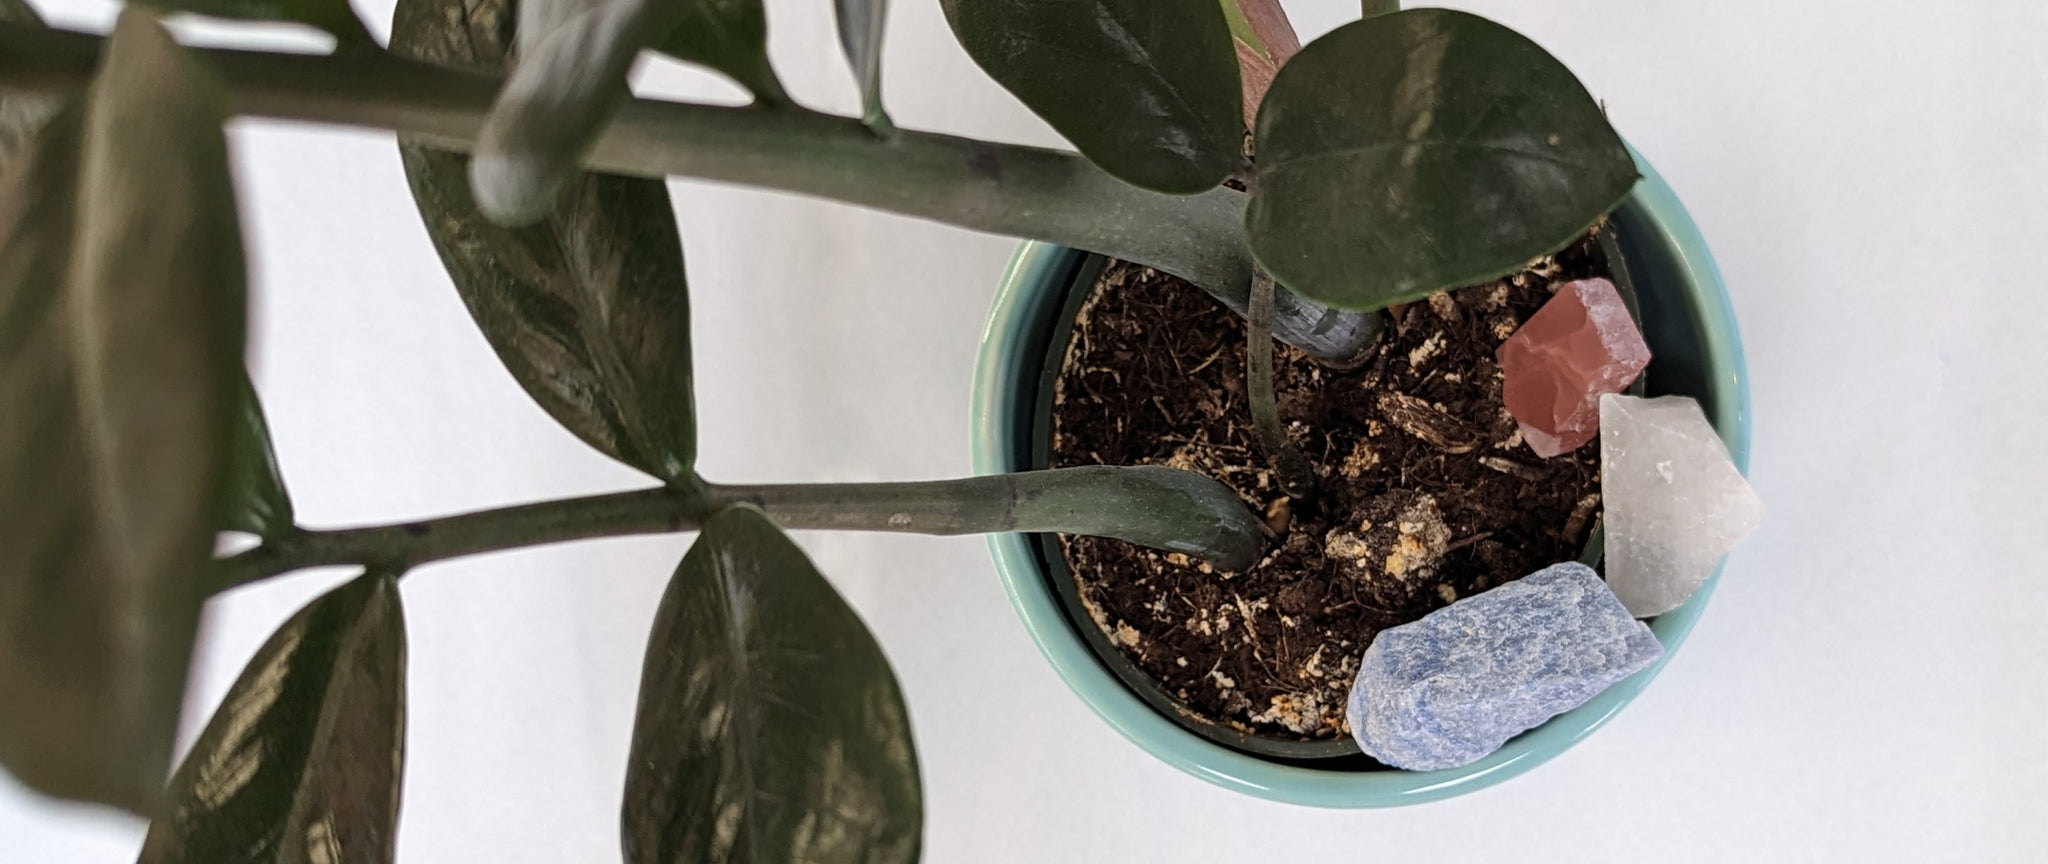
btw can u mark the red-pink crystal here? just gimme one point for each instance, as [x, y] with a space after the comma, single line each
[1581, 344]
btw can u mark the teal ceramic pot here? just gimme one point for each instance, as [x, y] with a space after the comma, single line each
[1690, 326]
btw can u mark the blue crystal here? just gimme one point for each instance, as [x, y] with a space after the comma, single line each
[1447, 690]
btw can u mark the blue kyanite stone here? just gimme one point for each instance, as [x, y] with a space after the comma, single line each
[1449, 689]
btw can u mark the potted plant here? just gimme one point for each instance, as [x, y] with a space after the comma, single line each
[1688, 321]
[1099, 630]
[1397, 157]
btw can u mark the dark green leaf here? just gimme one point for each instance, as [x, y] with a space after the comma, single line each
[588, 309]
[1423, 150]
[257, 501]
[861, 24]
[770, 728]
[333, 16]
[1147, 89]
[301, 762]
[120, 342]
[730, 36]
[1370, 8]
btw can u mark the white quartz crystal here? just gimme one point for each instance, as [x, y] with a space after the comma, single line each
[1673, 500]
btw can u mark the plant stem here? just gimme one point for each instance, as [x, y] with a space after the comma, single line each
[1369, 8]
[1006, 189]
[402, 546]
[1149, 505]
[1290, 467]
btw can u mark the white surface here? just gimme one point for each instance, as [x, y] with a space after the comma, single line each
[1869, 683]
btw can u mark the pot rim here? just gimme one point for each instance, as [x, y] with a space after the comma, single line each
[1658, 225]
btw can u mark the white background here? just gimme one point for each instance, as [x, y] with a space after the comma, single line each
[1869, 684]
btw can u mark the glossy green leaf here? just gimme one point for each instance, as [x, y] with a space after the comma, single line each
[333, 16]
[257, 501]
[770, 728]
[861, 23]
[1422, 150]
[730, 36]
[120, 342]
[301, 762]
[1147, 89]
[588, 309]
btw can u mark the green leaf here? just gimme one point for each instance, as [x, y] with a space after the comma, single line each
[301, 762]
[120, 342]
[730, 36]
[333, 16]
[588, 309]
[861, 23]
[770, 728]
[1422, 150]
[257, 501]
[1147, 89]
[1370, 8]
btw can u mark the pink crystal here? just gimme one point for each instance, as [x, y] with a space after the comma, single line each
[1580, 345]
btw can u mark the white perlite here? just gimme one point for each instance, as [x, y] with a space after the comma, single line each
[1674, 500]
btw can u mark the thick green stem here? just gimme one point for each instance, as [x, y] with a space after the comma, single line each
[1150, 505]
[1369, 8]
[1290, 467]
[402, 546]
[1007, 189]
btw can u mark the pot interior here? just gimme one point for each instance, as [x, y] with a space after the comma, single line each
[1678, 367]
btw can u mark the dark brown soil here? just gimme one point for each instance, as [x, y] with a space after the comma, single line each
[1426, 492]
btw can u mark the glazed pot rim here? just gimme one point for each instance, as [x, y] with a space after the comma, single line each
[1658, 226]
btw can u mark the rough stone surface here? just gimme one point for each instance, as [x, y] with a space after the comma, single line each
[1674, 500]
[1580, 345]
[1447, 690]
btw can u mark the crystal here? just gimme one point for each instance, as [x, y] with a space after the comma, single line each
[1448, 689]
[1581, 344]
[1674, 500]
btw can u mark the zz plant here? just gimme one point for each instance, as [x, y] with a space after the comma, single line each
[1398, 155]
